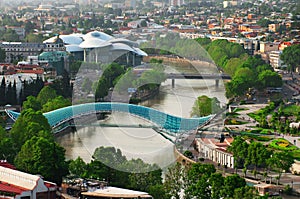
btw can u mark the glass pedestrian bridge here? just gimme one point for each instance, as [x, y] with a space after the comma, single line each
[160, 119]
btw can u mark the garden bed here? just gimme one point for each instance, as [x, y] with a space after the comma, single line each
[283, 145]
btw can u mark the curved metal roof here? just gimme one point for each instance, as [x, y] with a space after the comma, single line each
[140, 52]
[94, 43]
[121, 46]
[161, 119]
[124, 41]
[98, 35]
[73, 48]
[67, 39]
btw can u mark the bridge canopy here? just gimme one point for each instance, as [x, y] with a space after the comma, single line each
[160, 119]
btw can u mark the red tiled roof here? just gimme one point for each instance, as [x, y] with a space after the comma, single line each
[5, 164]
[49, 184]
[5, 187]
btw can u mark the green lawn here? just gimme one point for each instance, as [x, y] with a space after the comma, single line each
[282, 145]
[292, 110]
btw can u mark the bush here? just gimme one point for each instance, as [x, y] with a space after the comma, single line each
[201, 159]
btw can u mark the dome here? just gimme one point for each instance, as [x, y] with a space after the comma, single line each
[124, 41]
[73, 48]
[120, 46]
[98, 35]
[94, 43]
[67, 39]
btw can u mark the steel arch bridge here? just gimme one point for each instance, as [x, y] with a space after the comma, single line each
[162, 120]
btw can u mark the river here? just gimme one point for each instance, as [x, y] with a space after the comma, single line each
[142, 142]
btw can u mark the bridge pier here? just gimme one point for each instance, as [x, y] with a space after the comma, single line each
[217, 83]
[173, 83]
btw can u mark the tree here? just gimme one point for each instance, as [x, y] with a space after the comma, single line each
[6, 150]
[239, 148]
[205, 106]
[175, 180]
[41, 156]
[56, 103]
[269, 78]
[3, 91]
[142, 175]
[257, 155]
[62, 85]
[46, 94]
[10, 35]
[245, 192]
[30, 123]
[33, 103]
[102, 89]
[282, 161]
[188, 154]
[231, 183]
[29, 27]
[143, 23]
[2, 55]
[77, 167]
[109, 156]
[34, 38]
[158, 191]
[232, 65]
[291, 56]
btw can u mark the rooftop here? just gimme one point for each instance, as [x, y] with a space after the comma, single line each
[114, 192]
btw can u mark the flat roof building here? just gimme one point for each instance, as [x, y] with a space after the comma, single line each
[115, 193]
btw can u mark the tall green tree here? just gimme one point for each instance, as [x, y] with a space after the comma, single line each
[6, 150]
[269, 78]
[46, 94]
[282, 161]
[30, 123]
[33, 103]
[56, 103]
[239, 148]
[175, 180]
[42, 156]
[205, 106]
[2, 55]
[3, 92]
[77, 167]
[291, 56]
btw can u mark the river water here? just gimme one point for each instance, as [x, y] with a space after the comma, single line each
[142, 143]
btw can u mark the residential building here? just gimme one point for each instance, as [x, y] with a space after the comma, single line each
[229, 4]
[176, 2]
[268, 47]
[57, 44]
[19, 185]
[275, 61]
[273, 27]
[215, 150]
[16, 51]
[54, 62]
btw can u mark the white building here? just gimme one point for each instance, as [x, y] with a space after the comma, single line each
[176, 3]
[275, 61]
[17, 184]
[215, 151]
